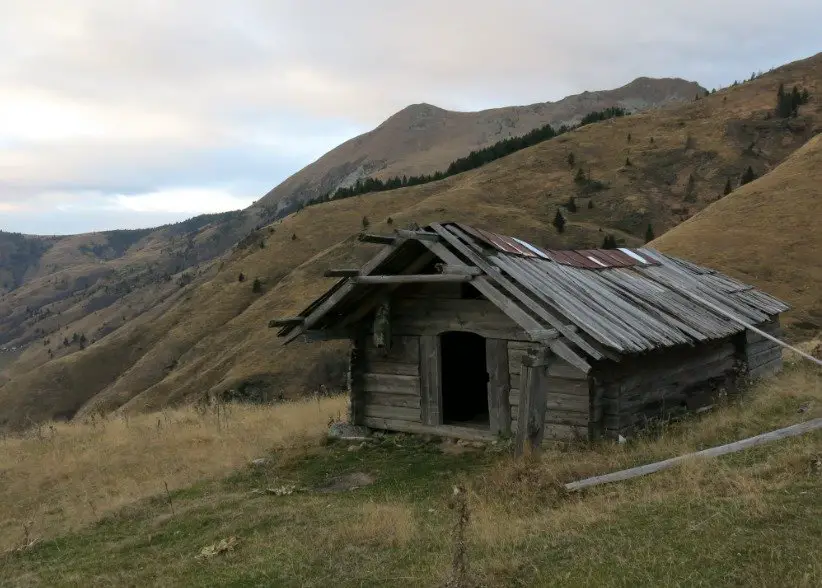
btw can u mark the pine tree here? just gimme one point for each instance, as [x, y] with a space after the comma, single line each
[559, 221]
[690, 187]
[590, 203]
[609, 242]
[572, 205]
[571, 159]
[365, 222]
[748, 176]
[728, 188]
[241, 277]
[579, 178]
[628, 162]
[389, 220]
[257, 286]
[629, 137]
[649, 233]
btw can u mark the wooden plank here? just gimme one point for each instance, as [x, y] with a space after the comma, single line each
[763, 345]
[763, 357]
[462, 270]
[419, 235]
[767, 369]
[499, 384]
[341, 273]
[356, 384]
[404, 349]
[382, 326]
[380, 239]
[391, 383]
[558, 369]
[399, 400]
[531, 415]
[792, 431]
[411, 278]
[453, 431]
[345, 289]
[430, 379]
[393, 412]
[568, 402]
[285, 322]
[393, 368]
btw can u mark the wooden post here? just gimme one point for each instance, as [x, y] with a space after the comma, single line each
[430, 380]
[382, 327]
[532, 403]
[499, 386]
[356, 384]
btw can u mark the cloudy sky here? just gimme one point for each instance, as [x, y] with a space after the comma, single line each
[124, 113]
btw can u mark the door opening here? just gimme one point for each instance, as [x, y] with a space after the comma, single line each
[464, 379]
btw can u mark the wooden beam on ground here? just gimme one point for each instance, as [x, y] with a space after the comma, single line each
[411, 279]
[341, 273]
[651, 468]
[286, 322]
[379, 239]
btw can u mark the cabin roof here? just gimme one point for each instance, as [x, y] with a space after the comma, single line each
[591, 303]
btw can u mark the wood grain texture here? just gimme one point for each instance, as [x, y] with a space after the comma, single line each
[499, 385]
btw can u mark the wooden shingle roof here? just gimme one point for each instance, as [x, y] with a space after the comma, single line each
[585, 304]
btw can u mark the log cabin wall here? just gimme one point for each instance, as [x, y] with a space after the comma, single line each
[567, 395]
[762, 356]
[400, 389]
[626, 395]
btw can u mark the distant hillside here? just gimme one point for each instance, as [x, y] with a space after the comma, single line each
[202, 331]
[768, 232]
[423, 139]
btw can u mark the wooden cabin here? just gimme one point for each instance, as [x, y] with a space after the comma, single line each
[462, 332]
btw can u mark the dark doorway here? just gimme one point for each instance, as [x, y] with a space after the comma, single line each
[464, 379]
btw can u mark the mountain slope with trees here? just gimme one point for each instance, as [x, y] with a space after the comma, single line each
[203, 333]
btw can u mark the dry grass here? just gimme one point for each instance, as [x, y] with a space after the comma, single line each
[742, 519]
[63, 475]
[767, 232]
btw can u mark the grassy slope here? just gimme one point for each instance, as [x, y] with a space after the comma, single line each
[210, 336]
[747, 519]
[768, 232]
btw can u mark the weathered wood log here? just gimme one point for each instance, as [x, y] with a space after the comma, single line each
[463, 270]
[651, 468]
[499, 385]
[419, 235]
[403, 349]
[356, 384]
[393, 412]
[430, 381]
[286, 322]
[391, 383]
[382, 327]
[398, 400]
[531, 415]
[411, 278]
